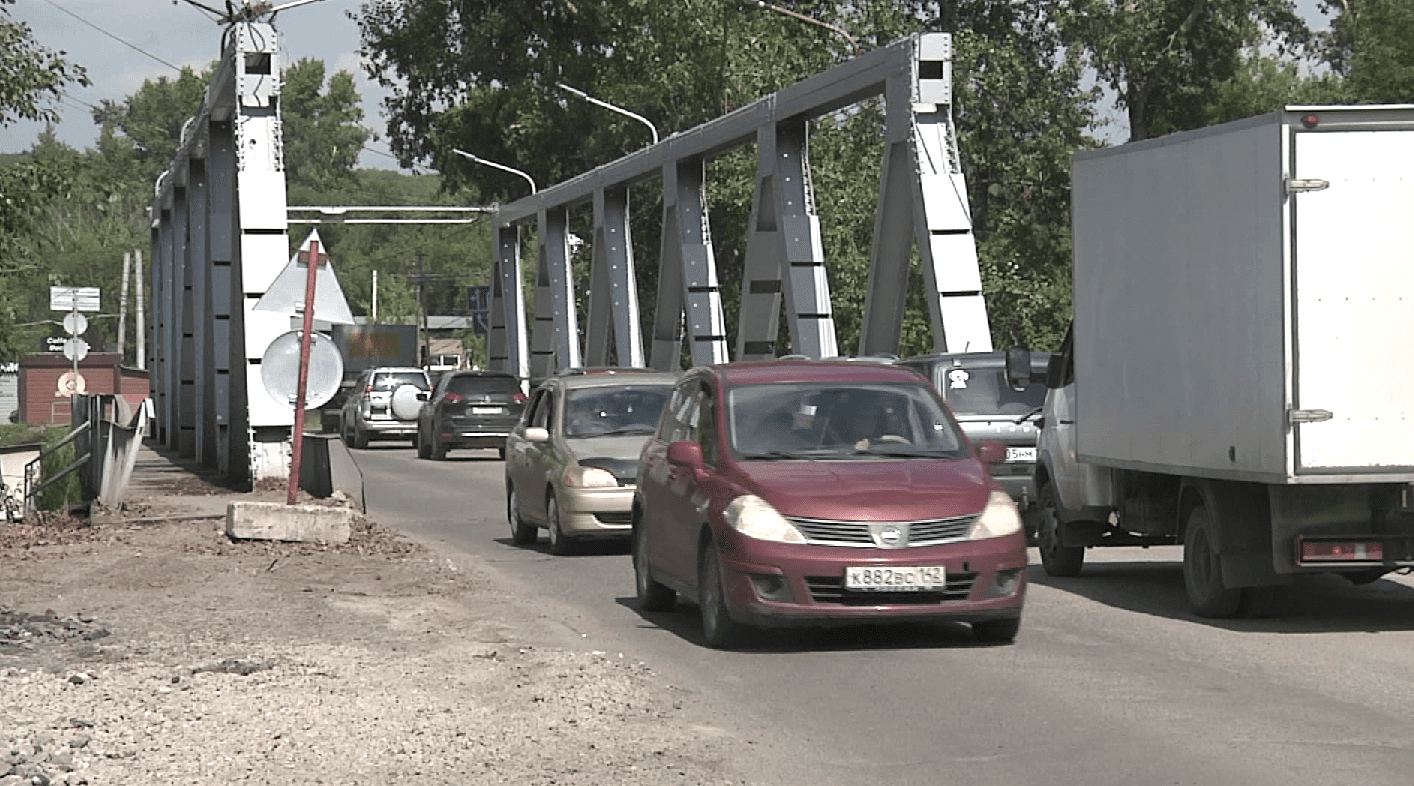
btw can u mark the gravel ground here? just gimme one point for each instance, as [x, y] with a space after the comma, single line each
[148, 647]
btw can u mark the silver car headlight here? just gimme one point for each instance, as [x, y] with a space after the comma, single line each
[588, 477]
[998, 518]
[755, 518]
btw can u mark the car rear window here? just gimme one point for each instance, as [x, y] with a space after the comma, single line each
[831, 420]
[984, 391]
[478, 384]
[392, 380]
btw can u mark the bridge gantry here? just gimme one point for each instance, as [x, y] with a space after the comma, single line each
[220, 238]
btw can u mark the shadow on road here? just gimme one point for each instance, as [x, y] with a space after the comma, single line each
[685, 623]
[1311, 604]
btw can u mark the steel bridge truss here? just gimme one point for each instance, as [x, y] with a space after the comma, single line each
[219, 239]
[922, 204]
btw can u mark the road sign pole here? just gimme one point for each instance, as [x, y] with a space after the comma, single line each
[297, 451]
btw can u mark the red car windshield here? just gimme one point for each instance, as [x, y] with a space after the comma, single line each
[798, 420]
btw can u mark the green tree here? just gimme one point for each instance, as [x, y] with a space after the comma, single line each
[1368, 44]
[321, 130]
[32, 76]
[1166, 59]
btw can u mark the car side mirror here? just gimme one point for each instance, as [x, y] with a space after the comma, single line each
[537, 434]
[991, 451]
[1055, 371]
[1018, 367]
[685, 454]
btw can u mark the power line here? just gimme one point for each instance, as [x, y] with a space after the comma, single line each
[133, 47]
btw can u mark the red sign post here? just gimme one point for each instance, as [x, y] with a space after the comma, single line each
[313, 261]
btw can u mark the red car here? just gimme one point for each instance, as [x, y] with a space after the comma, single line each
[797, 492]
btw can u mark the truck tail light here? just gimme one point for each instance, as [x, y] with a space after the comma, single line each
[1342, 551]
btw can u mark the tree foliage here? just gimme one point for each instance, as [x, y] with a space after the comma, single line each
[1165, 58]
[32, 76]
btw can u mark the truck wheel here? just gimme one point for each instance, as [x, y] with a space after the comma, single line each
[1058, 560]
[1202, 569]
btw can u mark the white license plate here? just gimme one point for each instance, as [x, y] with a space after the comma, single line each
[908, 579]
[1021, 454]
[486, 410]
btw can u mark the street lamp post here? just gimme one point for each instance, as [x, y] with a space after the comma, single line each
[812, 20]
[597, 102]
[494, 165]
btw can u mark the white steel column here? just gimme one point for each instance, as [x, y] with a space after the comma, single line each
[922, 179]
[506, 345]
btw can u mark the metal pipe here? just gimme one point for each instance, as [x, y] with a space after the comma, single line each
[597, 102]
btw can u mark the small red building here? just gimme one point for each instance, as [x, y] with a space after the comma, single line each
[47, 384]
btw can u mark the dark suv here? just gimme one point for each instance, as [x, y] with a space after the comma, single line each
[468, 409]
[799, 492]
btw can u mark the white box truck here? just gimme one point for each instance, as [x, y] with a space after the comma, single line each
[1239, 374]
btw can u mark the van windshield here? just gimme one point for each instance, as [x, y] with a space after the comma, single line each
[971, 390]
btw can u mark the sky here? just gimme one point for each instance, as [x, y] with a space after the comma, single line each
[181, 35]
[175, 33]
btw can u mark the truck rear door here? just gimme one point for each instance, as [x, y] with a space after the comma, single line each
[1353, 261]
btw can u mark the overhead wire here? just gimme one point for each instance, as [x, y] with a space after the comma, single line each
[131, 46]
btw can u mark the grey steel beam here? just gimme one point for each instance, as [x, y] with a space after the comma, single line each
[848, 83]
[687, 257]
[555, 340]
[613, 287]
[222, 229]
[784, 253]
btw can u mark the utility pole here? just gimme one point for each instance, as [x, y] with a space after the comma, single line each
[123, 306]
[422, 312]
[141, 327]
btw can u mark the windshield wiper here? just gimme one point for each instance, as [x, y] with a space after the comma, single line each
[772, 455]
[1033, 413]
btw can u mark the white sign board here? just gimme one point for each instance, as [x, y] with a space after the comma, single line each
[73, 298]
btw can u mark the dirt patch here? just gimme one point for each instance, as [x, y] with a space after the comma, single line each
[144, 647]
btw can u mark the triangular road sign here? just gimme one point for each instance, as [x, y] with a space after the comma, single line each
[286, 293]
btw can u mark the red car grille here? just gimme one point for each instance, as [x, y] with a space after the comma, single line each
[929, 532]
[830, 589]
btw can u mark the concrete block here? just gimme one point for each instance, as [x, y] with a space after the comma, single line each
[274, 521]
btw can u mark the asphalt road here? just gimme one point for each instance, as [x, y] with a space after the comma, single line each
[1111, 681]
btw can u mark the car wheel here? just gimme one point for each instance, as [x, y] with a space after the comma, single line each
[718, 627]
[560, 545]
[522, 534]
[345, 435]
[996, 631]
[360, 439]
[501, 451]
[652, 596]
[423, 449]
[1058, 560]
[437, 449]
[1202, 569]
